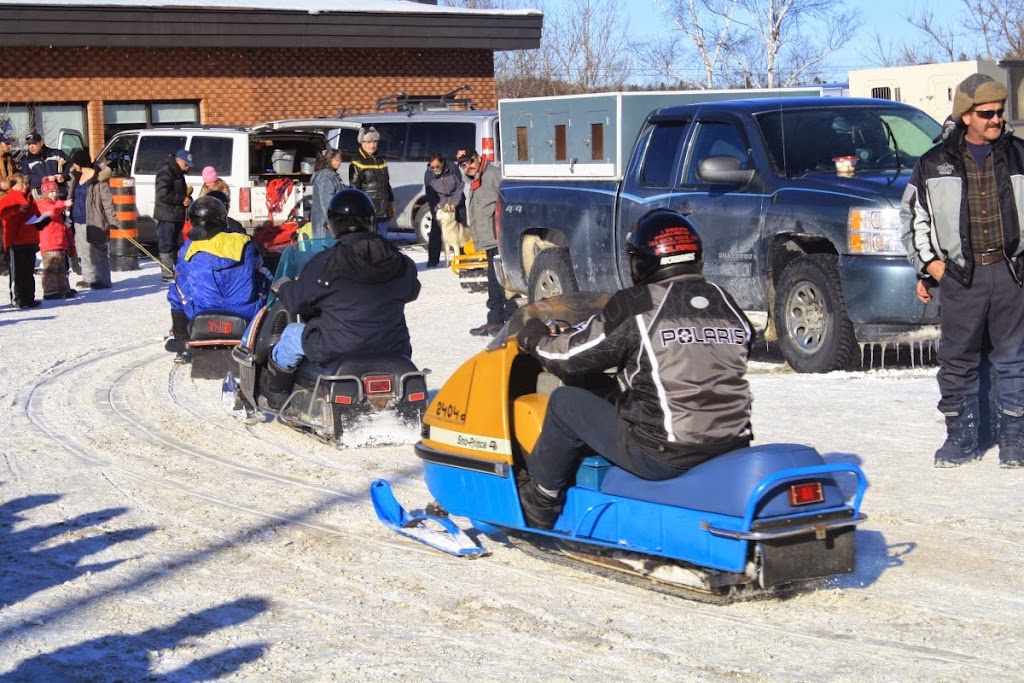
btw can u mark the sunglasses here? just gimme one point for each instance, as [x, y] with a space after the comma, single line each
[989, 113]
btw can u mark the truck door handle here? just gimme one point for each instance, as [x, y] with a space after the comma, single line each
[686, 208]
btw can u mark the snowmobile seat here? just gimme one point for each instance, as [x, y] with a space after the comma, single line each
[527, 417]
[724, 484]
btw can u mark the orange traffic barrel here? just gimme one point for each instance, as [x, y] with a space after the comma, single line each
[123, 254]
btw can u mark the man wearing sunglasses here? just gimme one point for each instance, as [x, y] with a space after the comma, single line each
[962, 232]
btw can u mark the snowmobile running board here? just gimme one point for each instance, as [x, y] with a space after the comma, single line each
[449, 538]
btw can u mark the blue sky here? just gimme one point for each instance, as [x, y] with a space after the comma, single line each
[884, 16]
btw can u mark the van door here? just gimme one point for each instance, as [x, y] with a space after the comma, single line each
[151, 153]
[70, 141]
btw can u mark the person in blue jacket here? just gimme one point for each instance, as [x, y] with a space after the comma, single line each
[217, 270]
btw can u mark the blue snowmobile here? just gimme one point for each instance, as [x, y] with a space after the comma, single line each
[759, 520]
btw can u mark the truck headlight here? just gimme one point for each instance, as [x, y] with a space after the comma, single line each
[875, 231]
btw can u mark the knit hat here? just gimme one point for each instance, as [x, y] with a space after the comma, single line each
[48, 186]
[974, 90]
[368, 135]
[81, 158]
[209, 174]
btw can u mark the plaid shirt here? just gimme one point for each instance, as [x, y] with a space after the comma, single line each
[986, 223]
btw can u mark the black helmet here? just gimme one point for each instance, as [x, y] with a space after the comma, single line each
[350, 210]
[208, 214]
[663, 244]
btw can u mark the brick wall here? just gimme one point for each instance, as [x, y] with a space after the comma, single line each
[240, 86]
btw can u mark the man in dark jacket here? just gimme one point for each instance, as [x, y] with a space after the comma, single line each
[680, 345]
[353, 295]
[42, 163]
[172, 199]
[369, 173]
[962, 231]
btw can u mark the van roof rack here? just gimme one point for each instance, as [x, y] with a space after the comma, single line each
[402, 102]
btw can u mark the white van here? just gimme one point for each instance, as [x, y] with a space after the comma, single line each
[406, 142]
[267, 171]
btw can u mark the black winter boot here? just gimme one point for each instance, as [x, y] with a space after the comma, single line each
[540, 510]
[178, 343]
[276, 383]
[961, 444]
[166, 267]
[1011, 440]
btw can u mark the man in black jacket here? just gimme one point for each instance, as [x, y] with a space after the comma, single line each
[680, 345]
[42, 163]
[353, 296]
[961, 229]
[172, 199]
[369, 172]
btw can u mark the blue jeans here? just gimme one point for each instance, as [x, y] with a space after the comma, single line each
[168, 236]
[288, 351]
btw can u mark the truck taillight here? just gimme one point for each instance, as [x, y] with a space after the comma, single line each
[487, 148]
[875, 231]
[245, 199]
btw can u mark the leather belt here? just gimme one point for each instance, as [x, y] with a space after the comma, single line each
[989, 257]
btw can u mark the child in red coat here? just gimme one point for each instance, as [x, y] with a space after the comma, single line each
[21, 240]
[54, 244]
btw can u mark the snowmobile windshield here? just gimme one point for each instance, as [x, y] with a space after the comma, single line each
[568, 309]
[296, 256]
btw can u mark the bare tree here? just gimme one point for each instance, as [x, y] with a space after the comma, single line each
[709, 36]
[584, 41]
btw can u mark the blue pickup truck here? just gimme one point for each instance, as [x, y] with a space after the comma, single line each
[797, 201]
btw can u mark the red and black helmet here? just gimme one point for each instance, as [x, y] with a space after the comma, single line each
[663, 244]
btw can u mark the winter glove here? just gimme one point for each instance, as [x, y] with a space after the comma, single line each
[531, 334]
[278, 282]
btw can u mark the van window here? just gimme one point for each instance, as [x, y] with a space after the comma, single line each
[120, 154]
[211, 151]
[154, 150]
[417, 140]
[347, 142]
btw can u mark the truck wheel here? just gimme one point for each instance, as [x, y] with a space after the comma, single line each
[422, 224]
[551, 275]
[815, 335]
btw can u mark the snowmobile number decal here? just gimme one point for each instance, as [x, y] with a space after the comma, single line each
[450, 412]
[473, 442]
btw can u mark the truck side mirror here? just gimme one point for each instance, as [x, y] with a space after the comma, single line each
[724, 170]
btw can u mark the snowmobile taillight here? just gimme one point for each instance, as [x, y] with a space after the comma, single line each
[805, 494]
[418, 396]
[345, 400]
[219, 326]
[377, 384]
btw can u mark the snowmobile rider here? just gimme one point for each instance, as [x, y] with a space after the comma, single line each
[680, 344]
[353, 296]
[217, 270]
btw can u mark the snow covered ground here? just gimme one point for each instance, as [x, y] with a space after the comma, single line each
[147, 535]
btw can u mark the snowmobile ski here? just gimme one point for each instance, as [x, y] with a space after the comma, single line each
[449, 538]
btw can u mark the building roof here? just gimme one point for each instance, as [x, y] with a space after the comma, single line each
[267, 24]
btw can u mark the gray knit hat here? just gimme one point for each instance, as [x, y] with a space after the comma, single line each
[974, 90]
[368, 135]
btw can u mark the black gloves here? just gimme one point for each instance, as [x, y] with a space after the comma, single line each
[531, 334]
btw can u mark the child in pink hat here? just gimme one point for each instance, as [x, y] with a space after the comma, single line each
[212, 181]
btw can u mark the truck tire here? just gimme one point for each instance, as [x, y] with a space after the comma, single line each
[815, 334]
[551, 275]
[422, 223]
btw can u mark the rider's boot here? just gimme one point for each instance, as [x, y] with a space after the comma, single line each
[540, 509]
[179, 337]
[276, 383]
[1011, 440]
[961, 444]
